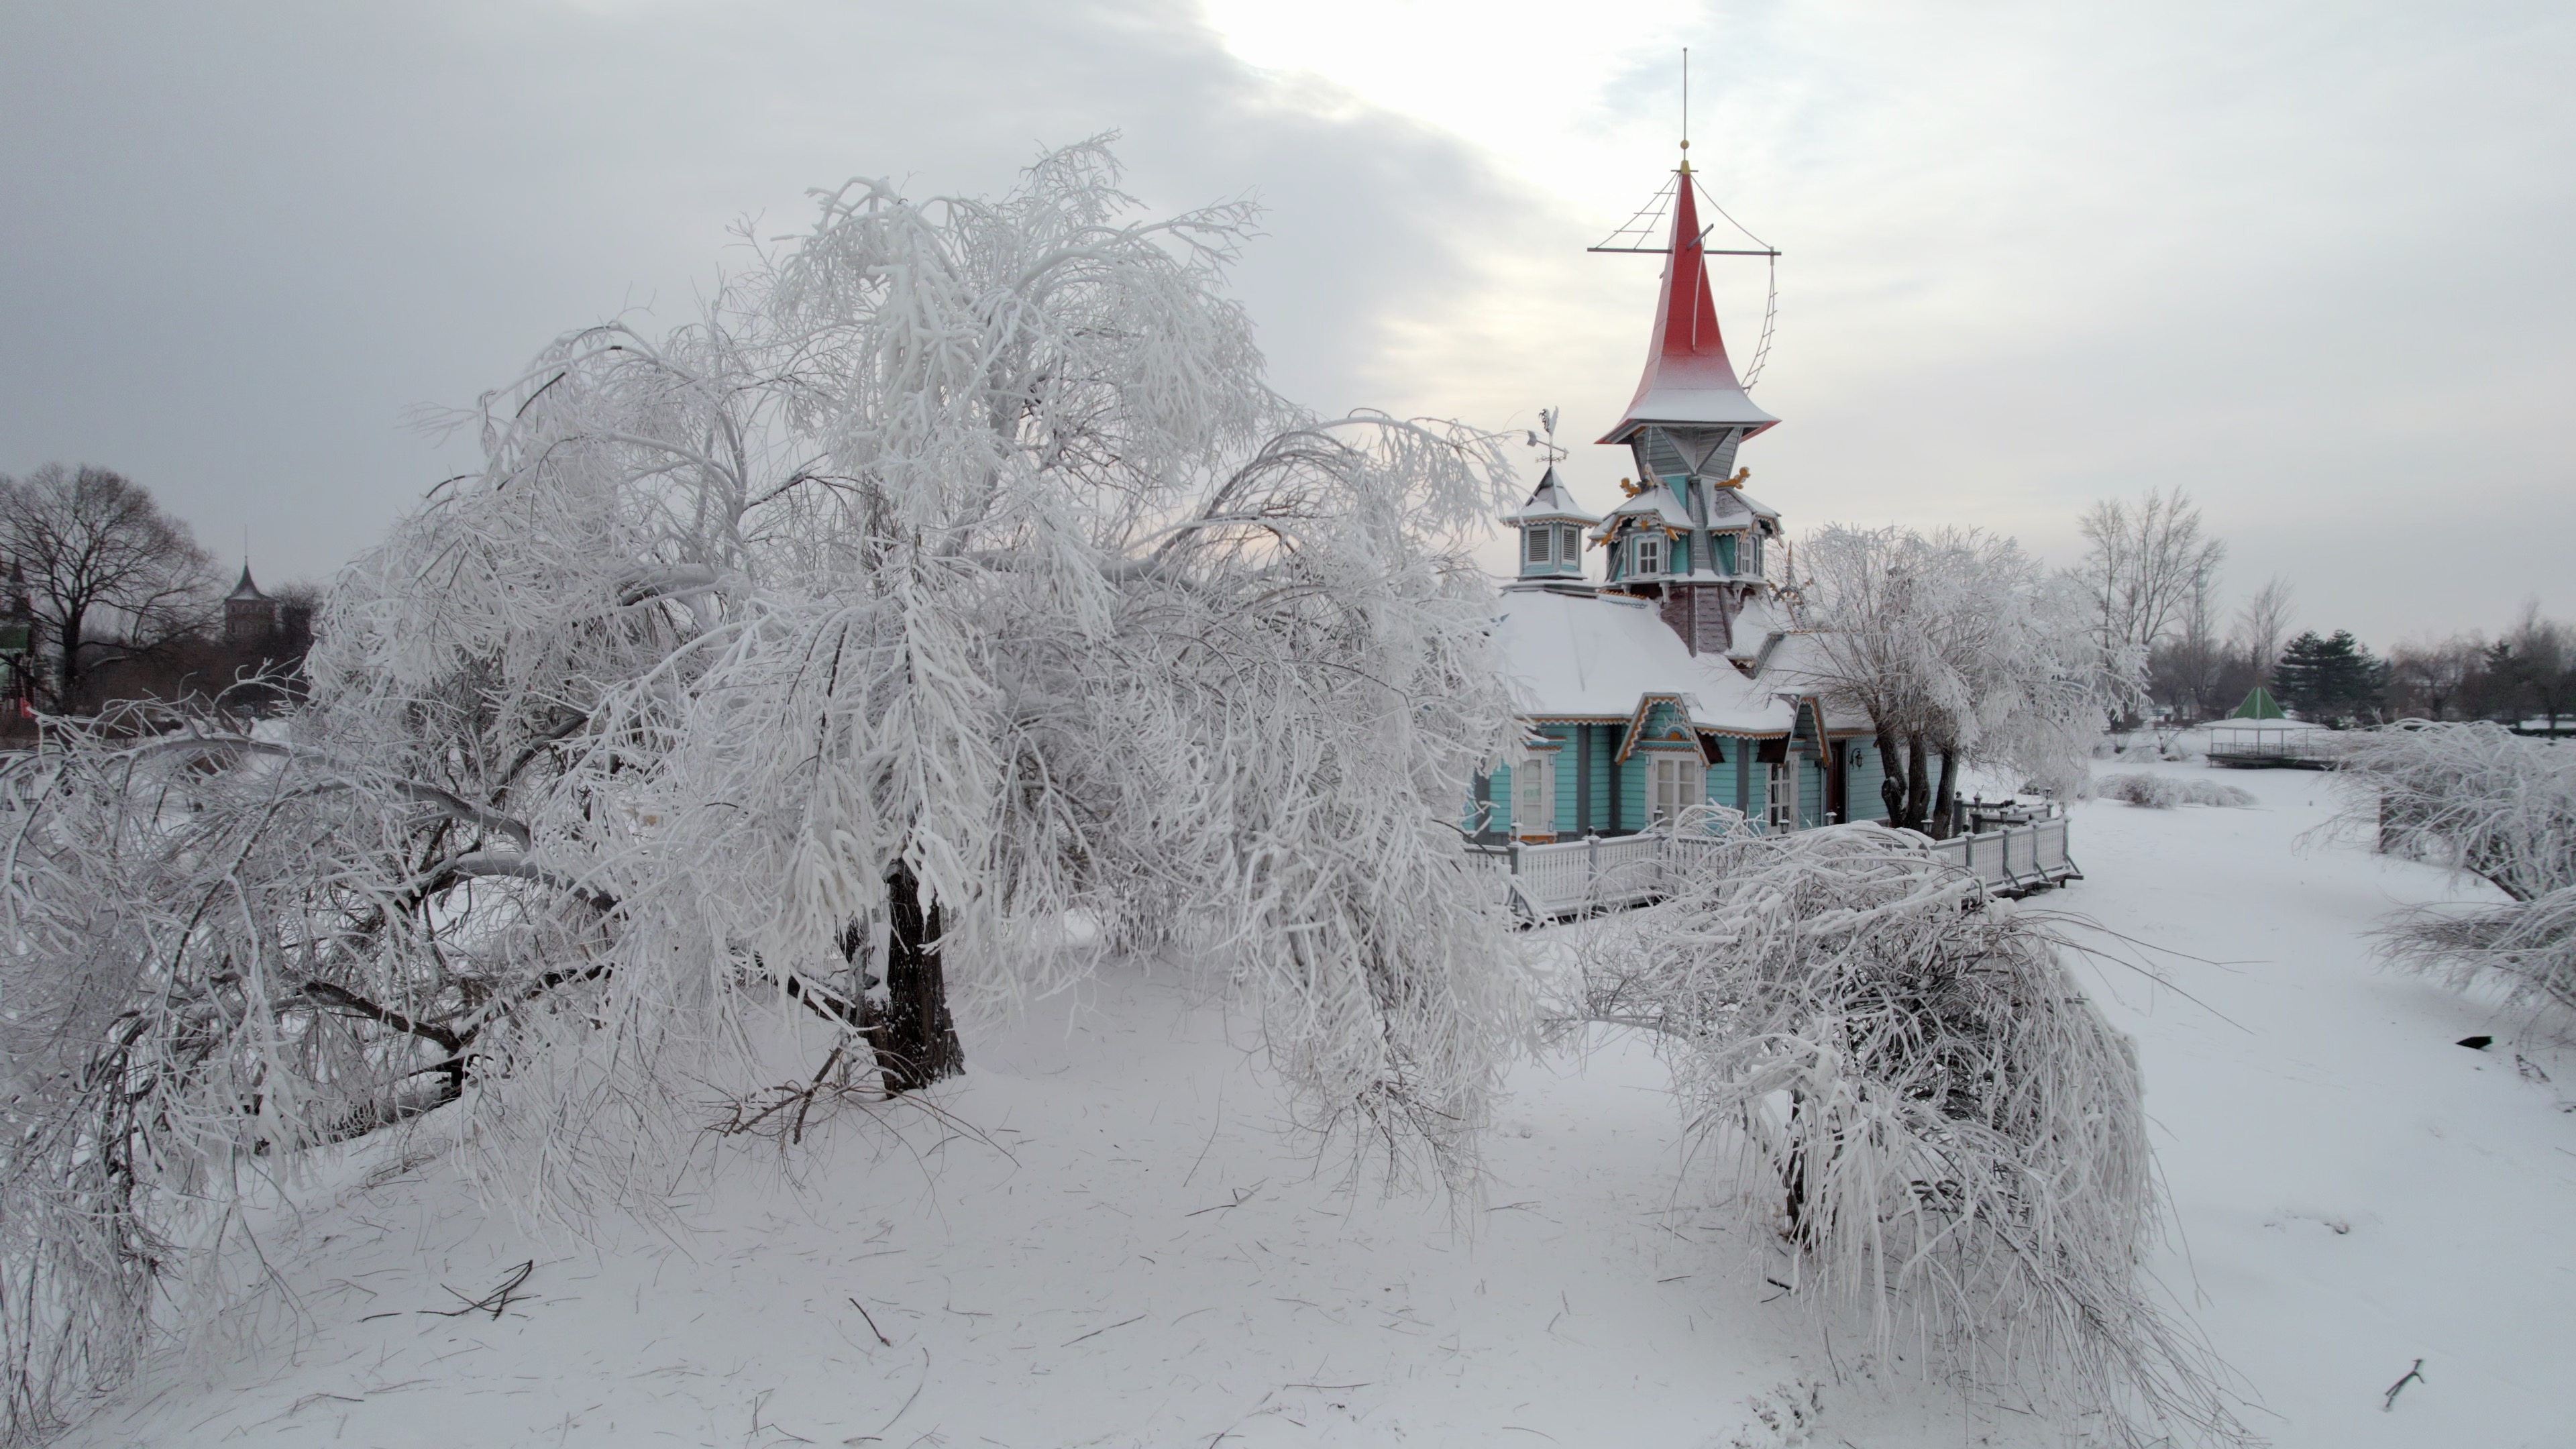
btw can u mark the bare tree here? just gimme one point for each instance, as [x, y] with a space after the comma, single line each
[2262, 623]
[2144, 563]
[2426, 678]
[2534, 667]
[2188, 671]
[96, 550]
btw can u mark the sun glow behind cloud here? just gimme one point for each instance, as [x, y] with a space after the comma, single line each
[2306, 259]
[2295, 259]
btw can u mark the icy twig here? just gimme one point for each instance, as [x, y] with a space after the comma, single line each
[2414, 1375]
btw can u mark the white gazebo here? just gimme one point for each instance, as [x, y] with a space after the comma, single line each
[2259, 736]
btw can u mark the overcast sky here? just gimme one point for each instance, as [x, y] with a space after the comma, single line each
[2308, 261]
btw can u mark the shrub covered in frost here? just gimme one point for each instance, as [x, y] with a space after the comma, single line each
[2161, 792]
[2496, 805]
[955, 570]
[1951, 1129]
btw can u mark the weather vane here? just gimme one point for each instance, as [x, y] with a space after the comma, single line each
[1548, 450]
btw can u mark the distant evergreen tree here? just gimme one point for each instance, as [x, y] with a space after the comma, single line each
[2335, 680]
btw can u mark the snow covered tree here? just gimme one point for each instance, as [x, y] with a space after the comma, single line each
[2479, 799]
[1952, 1132]
[1957, 645]
[955, 577]
[957, 572]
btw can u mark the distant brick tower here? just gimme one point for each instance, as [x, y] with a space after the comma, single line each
[250, 617]
[21, 641]
[1688, 536]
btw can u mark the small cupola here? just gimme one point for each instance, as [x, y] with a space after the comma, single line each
[1551, 529]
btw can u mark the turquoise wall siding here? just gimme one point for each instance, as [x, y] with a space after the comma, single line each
[1632, 792]
[1721, 778]
[1619, 794]
[1868, 772]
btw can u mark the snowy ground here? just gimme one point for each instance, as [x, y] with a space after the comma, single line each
[1127, 1249]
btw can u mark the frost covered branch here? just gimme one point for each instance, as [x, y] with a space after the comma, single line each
[1957, 644]
[2484, 801]
[1952, 1131]
[949, 605]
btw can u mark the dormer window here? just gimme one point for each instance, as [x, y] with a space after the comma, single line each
[1649, 554]
[1539, 546]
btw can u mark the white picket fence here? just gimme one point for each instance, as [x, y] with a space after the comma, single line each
[1577, 877]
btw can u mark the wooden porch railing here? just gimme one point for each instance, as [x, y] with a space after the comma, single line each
[1577, 877]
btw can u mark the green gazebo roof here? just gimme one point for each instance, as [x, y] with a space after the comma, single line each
[2259, 705]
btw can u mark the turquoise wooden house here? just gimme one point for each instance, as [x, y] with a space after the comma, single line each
[1657, 663]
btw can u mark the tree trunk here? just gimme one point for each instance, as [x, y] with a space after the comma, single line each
[1891, 778]
[67, 697]
[1918, 784]
[1945, 799]
[918, 1043]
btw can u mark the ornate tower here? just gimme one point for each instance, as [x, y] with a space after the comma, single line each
[1688, 535]
[250, 616]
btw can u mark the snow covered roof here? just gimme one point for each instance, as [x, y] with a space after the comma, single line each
[245, 590]
[1550, 500]
[1656, 501]
[1734, 508]
[1688, 377]
[1597, 657]
[1790, 664]
[1757, 621]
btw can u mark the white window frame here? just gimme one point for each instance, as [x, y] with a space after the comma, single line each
[1538, 545]
[1533, 802]
[1646, 555]
[1780, 796]
[1675, 782]
[1569, 545]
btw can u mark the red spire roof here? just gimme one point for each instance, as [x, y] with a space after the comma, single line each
[1688, 380]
